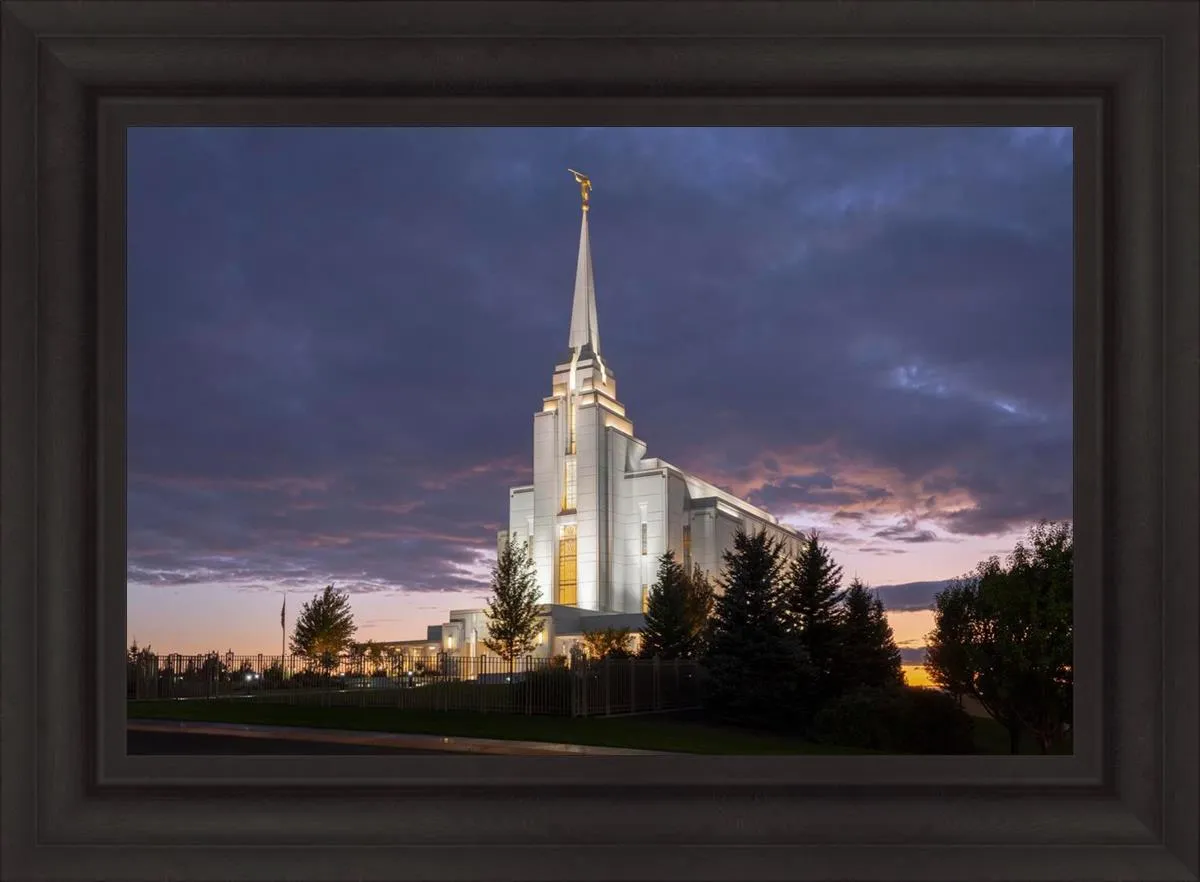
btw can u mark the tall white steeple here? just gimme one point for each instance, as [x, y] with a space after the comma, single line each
[584, 336]
[581, 440]
[585, 332]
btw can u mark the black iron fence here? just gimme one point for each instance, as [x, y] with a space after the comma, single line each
[566, 687]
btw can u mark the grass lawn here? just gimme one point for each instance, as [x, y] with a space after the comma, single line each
[681, 732]
[991, 737]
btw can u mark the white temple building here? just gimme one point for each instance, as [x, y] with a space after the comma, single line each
[600, 511]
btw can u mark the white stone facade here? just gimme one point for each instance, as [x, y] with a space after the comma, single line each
[592, 479]
[627, 508]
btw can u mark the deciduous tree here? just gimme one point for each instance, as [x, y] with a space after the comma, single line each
[324, 629]
[608, 643]
[514, 616]
[1004, 636]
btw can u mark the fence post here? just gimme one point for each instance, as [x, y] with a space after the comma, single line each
[678, 696]
[585, 676]
[632, 685]
[657, 680]
[608, 687]
[574, 679]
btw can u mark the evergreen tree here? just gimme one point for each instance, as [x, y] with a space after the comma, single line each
[702, 604]
[757, 672]
[514, 613]
[867, 648]
[812, 598]
[677, 611]
[324, 629]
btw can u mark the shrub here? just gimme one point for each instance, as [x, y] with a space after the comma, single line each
[546, 691]
[904, 719]
[309, 680]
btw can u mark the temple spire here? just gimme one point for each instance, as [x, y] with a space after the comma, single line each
[585, 332]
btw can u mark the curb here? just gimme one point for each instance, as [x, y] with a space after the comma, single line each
[448, 743]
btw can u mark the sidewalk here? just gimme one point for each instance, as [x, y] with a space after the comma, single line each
[448, 743]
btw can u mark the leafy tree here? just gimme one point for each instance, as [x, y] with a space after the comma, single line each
[677, 611]
[324, 629]
[144, 657]
[949, 649]
[214, 671]
[608, 643]
[141, 667]
[1004, 636]
[758, 673]
[273, 675]
[514, 613]
[376, 657]
[812, 597]
[868, 655]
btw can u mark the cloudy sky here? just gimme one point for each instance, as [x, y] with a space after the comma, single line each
[338, 339]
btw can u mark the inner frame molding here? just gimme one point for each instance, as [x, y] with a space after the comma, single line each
[76, 76]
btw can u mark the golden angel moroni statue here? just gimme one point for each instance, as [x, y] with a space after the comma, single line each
[585, 185]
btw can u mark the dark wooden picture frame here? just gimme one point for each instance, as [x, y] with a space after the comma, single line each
[74, 75]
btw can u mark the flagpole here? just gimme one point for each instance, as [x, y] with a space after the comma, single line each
[283, 633]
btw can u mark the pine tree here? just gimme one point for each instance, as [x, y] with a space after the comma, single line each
[701, 605]
[677, 611]
[513, 612]
[757, 672]
[812, 599]
[325, 628]
[868, 653]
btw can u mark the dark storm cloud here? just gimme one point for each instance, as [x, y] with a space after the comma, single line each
[337, 338]
[906, 532]
[912, 655]
[910, 595]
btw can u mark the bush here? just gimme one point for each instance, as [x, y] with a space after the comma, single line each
[309, 680]
[548, 690]
[904, 719]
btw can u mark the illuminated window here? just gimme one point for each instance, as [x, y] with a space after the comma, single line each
[569, 484]
[687, 548]
[645, 543]
[567, 580]
[645, 598]
[571, 426]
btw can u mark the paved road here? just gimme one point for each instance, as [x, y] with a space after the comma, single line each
[191, 744]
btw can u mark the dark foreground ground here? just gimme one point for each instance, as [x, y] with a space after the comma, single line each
[191, 744]
[683, 732]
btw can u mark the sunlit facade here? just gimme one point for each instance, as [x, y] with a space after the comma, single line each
[600, 511]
